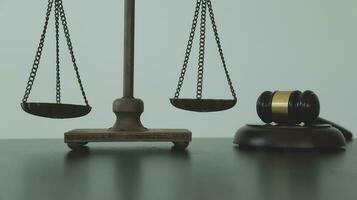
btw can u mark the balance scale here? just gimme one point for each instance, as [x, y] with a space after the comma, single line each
[128, 109]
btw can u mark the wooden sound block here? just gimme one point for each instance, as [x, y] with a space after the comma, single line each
[289, 137]
[78, 138]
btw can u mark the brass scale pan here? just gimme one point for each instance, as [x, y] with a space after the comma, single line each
[199, 104]
[203, 105]
[55, 110]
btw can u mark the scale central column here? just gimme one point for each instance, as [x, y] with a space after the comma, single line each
[129, 46]
[128, 109]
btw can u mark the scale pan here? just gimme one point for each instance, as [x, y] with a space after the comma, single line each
[203, 105]
[55, 110]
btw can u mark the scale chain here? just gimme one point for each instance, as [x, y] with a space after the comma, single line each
[188, 49]
[70, 47]
[58, 79]
[59, 15]
[201, 57]
[214, 26]
[204, 4]
[38, 54]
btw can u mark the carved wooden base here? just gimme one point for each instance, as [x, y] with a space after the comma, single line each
[78, 138]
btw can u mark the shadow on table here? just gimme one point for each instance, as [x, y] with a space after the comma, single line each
[290, 174]
[108, 173]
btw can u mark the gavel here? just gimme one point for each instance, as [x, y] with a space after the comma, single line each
[293, 108]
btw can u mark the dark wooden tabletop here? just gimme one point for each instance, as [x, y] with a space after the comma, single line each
[210, 169]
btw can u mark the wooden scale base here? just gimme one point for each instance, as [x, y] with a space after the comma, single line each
[76, 139]
[322, 136]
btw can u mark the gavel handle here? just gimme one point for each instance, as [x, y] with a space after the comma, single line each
[346, 133]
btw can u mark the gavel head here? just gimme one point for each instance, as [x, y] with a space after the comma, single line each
[288, 107]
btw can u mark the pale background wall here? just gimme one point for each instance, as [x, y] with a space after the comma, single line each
[269, 44]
